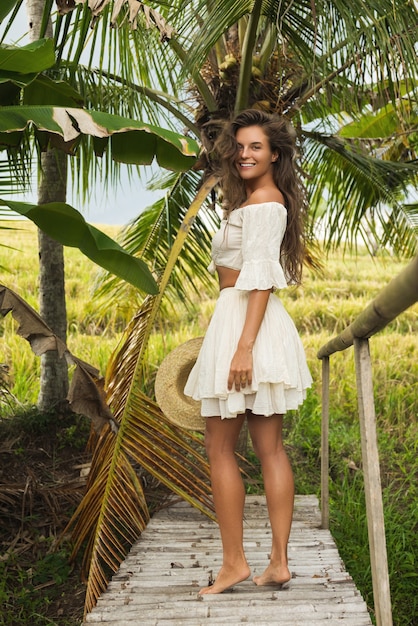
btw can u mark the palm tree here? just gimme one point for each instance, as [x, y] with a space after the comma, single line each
[189, 65]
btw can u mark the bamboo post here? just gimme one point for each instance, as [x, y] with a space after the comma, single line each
[373, 487]
[325, 445]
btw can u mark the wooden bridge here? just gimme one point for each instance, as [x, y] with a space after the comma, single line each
[180, 551]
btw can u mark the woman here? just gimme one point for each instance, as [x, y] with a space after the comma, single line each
[252, 364]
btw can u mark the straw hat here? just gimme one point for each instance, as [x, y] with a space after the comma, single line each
[169, 386]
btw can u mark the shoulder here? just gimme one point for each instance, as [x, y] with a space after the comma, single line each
[266, 195]
[269, 209]
[268, 216]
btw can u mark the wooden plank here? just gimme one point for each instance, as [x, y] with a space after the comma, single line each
[204, 611]
[300, 593]
[159, 581]
[347, 621]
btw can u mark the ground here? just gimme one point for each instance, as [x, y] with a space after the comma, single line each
[41, 482]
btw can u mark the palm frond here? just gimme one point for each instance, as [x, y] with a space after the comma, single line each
[110, 518]
[151, 237]
[166, 461]
[14, 176]
[355, 45]
[144, 436]
[215, 18]
[357, 195]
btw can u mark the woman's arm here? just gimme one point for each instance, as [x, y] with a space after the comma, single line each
[242, 361]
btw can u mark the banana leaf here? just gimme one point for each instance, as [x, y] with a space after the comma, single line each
[131, 141]
[65, 224]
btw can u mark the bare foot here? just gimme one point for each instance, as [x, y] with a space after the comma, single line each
[273, 575]
[226, 578]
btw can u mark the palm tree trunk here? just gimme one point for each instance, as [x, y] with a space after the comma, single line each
[54, 371]
[52, 187]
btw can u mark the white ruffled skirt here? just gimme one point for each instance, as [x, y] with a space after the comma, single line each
[280, 372]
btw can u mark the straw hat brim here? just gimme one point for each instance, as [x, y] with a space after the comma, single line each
[170, 382]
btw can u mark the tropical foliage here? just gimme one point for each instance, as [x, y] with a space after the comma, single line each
[67, 225]
[131, 141]
[345, 74]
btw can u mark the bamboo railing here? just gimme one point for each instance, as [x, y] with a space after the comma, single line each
[396, 297]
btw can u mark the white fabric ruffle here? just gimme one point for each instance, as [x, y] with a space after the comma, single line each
[261, 274]
[280, 372]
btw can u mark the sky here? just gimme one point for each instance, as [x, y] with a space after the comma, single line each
[118, 205]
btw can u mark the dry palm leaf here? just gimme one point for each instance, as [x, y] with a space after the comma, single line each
[86, 391]
[114, 511]
[152, 17]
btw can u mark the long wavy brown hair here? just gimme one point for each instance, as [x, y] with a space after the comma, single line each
[281, 136]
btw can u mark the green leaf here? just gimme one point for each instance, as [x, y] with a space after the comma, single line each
[20, 117]
[33, 58]
[5, 8]
[382, 123]
[132, 141]
[18, 79]
[45, 91]
[173, 151]
[63, 223]
[9, 93]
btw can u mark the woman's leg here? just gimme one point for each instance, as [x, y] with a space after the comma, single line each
[266, 435]
[228, 496]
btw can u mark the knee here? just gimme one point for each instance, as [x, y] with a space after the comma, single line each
[261, 446]
[217, 450]
[208, 445]
[267, 451]
[211, 448]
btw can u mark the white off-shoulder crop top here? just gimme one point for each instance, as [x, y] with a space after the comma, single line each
[249, 240]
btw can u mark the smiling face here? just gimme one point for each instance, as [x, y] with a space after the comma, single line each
[254, 158]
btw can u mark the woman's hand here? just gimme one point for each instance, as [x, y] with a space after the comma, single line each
[241, 371]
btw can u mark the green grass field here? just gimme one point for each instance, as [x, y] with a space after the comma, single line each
[321, 308]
